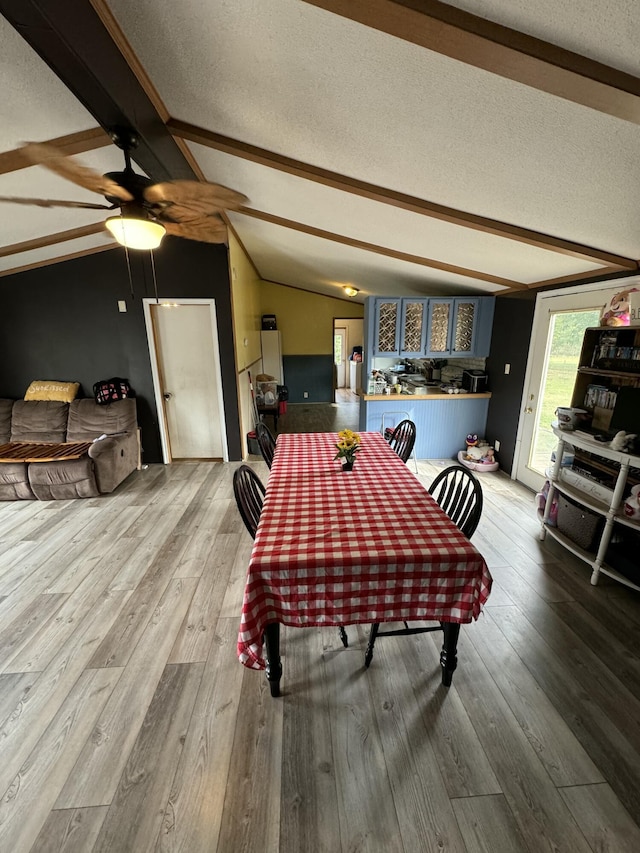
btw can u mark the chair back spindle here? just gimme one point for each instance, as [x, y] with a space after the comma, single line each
[249, 493]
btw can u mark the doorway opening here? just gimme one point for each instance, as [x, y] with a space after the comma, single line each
[556, 341]
[558, 378]
[347, 335]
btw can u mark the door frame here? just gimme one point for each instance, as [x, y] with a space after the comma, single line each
[538, 345]
[345, 339]
[155, 370]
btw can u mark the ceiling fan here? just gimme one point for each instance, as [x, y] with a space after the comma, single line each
[148, 210]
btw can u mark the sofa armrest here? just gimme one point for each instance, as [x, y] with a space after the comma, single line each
[114, 457]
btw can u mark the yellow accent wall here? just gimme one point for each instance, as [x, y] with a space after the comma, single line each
[247, 311]
[305, 319]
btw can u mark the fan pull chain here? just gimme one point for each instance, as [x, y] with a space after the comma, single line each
[126, 254]
[153, 273]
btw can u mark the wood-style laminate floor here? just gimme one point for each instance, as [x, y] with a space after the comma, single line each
[127, 723]
[320, 417]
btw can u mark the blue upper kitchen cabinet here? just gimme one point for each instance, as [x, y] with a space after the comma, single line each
[386, 326]
[400, 327]
[483, 326]
[459, 327]
[435, 327]
[413, 328]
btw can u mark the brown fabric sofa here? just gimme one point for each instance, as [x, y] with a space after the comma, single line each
[110, 459]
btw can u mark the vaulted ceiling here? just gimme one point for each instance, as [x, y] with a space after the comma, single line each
[407, 146]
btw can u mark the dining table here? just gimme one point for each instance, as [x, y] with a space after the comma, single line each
[338, 548]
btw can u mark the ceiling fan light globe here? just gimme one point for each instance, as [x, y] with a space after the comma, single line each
[136, 233]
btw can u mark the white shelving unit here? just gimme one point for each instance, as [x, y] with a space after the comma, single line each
[610, 511]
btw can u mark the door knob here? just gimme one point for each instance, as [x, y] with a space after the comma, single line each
[167, 395]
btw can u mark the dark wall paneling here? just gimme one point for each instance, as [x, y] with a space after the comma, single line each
[312, 374]
[512, 324]
[62, 322]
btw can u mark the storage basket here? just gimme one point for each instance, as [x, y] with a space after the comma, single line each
[379, 386]
[623, 555]
[579, 524]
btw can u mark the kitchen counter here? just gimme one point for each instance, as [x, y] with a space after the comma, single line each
[434, 395]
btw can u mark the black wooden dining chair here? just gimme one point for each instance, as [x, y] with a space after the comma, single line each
[459, 494]
[249, 492]
[403, 439]
[266, 441]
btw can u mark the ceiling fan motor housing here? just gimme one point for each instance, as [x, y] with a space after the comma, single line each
[131, 181]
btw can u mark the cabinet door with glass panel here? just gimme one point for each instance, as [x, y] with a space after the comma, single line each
[439, 327]
[451, 327]
[386, 328]
[413, 330]
[464, 325]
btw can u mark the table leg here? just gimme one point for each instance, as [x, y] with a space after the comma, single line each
[448, 657]
[272, 648]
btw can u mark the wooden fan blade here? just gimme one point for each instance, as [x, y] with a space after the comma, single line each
[41, 154]
[54, 202]
[201, 199]
[208, 229]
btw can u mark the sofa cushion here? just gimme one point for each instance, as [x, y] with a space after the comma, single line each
[14, 482]
[49, 389]
[5, 420]
[88, 420]
[69, 478]
[39, 420]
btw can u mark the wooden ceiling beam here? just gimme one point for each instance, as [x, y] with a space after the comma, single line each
[396, 199]
[500, 50]
[47, 262]
[578, 278]
[73, 143]
[74, 41]
[53, 239]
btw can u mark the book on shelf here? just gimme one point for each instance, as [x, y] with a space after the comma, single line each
[599, 395]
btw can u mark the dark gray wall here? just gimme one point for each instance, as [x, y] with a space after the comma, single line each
[512, 324]
[312, 374]
[62, 322]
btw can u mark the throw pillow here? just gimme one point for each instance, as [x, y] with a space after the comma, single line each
[48, 389]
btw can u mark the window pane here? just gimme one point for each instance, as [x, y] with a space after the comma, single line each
[563, 352]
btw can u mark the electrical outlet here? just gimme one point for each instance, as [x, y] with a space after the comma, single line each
[496, 444]
[305, 395]
[507, 369]
[122, 306]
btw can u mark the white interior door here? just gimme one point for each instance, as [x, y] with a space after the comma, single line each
[188, 380]
[339, 355]
[556, 340]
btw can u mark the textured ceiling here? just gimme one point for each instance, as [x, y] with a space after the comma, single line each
[369, 119]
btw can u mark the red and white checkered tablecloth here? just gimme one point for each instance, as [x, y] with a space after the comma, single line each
[337, 548]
